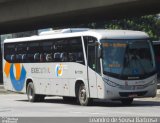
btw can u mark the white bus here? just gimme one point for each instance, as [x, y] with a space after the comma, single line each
[81, 64]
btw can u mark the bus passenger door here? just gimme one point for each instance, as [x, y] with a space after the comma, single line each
[91, 56]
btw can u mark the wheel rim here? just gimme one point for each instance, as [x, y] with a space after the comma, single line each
[82, 95]
[30, 93]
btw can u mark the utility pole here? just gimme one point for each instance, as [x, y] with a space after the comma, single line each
[1, 73]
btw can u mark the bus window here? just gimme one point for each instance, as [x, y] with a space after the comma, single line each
[55, 50]
[32, 52]
[75, 50]
[93, 60]
[9, 52]
[47, 53]
[21, 49]
[68, 50]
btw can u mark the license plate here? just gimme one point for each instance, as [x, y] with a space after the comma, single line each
[139, 87]
[133, 95]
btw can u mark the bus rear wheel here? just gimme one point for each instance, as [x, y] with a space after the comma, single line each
[32, 97]
[82, 96]
[127, 101]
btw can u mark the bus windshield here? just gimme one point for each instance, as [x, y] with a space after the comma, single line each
[128, 59]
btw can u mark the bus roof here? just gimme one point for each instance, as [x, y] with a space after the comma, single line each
[98, 33]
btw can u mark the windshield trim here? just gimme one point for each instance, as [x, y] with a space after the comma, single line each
[144, 76]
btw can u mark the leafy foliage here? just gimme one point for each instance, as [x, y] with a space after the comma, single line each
[149, 24]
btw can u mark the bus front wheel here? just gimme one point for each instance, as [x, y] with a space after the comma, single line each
[82, 96]
[127, 101]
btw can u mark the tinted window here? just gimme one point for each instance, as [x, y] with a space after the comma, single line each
[91, 53]
[9, 52]
[53, 50]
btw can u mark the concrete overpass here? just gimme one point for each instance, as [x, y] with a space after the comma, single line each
[21, 15]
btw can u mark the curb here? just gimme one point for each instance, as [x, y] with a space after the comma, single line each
[2, 90]
[1, 87]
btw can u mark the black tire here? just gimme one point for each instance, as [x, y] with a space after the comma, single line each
[32, 97]
[41, 98]
[69, 99]
[82, 96]
[127, 101]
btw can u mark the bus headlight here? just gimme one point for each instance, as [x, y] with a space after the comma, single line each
[110, 83]
[152, 82]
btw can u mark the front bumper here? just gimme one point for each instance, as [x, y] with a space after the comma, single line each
[111, 92]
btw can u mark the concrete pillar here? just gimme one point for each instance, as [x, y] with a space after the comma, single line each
[2, 38]
[1, 73]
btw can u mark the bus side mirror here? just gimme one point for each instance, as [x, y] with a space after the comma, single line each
[97, 43]
[99, 54]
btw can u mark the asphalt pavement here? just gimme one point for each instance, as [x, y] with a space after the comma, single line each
[17, 105]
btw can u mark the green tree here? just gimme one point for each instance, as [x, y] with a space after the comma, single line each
[149, 24]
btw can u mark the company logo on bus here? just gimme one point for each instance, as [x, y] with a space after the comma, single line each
[16, 70]
[59, 70]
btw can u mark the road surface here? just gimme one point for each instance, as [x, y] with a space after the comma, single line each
[16, 105]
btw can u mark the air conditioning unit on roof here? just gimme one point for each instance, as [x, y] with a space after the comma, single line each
[68, 30]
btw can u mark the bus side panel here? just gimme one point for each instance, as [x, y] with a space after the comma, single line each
[6, 79]
[92, 83]
[100, 87]
[46, 81]
[73, 73]
[13, 80]
[50, 83]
